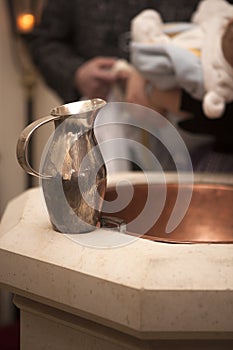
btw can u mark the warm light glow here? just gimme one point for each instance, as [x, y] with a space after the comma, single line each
[25, 22]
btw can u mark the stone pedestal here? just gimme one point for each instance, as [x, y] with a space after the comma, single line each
[139, 295]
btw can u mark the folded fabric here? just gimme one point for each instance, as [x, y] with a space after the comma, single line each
[192, 60]
[167, 66]
[213, 16]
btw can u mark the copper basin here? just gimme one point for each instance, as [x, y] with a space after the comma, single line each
[208, 218]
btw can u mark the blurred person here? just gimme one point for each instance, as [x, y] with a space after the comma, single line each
[78, 43]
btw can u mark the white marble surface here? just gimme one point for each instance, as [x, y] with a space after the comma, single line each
[142, 287]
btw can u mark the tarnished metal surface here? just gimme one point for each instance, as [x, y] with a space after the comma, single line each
[73, 173]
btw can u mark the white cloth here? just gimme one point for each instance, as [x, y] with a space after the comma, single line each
[167, 66]
[212, 16]
[147, 27]
[210, 20]
[113, 131]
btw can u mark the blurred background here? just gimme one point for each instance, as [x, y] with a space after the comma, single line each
[23, 96]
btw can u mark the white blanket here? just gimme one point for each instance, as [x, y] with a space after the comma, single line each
[201, 68]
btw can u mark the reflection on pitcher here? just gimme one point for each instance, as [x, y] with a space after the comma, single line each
[72, 171]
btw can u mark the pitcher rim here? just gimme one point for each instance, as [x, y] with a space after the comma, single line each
[78, 107]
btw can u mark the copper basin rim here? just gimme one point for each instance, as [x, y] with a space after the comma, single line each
[208, 219]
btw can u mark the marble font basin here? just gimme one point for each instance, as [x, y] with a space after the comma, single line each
[208, 219]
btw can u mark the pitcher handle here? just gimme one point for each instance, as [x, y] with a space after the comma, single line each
[23, 142]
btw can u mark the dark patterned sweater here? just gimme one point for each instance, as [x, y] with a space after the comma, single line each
[72, 31]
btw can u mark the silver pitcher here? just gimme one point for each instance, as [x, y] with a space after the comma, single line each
[72, 171]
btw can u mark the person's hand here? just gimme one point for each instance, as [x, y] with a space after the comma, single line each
[161, 101]
[95, 77]
[136, 89]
